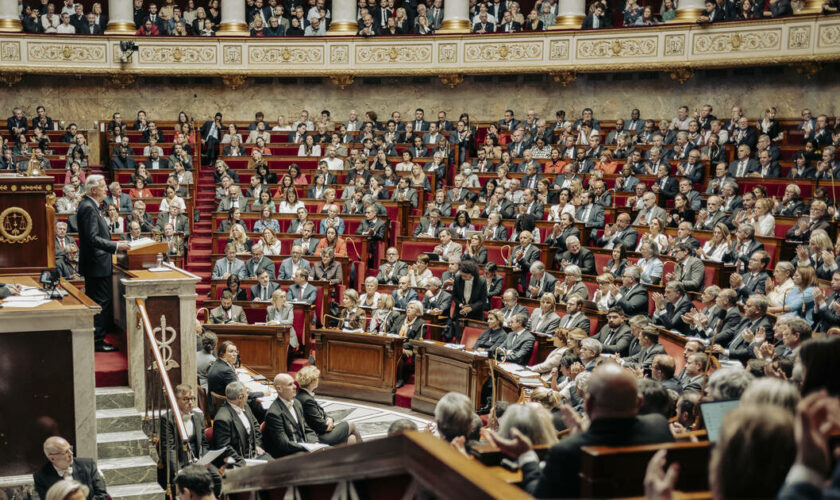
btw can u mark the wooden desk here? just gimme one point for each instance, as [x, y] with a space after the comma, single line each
[439, 369]
[508, 387]
[357, 365]
[265, 348]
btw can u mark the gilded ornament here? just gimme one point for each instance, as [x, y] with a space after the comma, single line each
[681, 75]
[559, 49]
[286, 54]
[164, 344]
[16, 226]
[10, 79]
[735, 40]
[808, 69]
[342, 81]
[392, 53]
[452, 80]
[615, 46]
[503, 51]
[122, 80]
[234, 81]
[563, 77]
[67, 52]
[177, 54]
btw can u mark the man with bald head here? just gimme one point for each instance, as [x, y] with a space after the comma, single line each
[62, 465]
[285, 426]
[612, 402]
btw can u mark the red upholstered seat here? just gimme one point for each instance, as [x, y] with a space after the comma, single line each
[469, 335]
[208, 434]
[601, 260]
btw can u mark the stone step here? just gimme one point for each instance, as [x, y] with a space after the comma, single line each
[142, 491]
[114, 397]
[130, 470]
[122, 444]
[118, 419]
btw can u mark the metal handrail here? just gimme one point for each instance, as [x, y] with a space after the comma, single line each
[167, 385]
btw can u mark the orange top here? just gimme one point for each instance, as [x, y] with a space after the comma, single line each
[607, 168]
[340, 247]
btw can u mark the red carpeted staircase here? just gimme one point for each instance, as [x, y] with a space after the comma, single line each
[199, 261]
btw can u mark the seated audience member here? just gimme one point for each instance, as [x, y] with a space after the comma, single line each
[301, 291]
[543, 319]
[195, 482]
[612, 403]
[410, 326]
[236, 429]
[292, 264]
[227, 265]
[67, 263]
[328, 431]
[454, 416]
[226, 312]
[577, 255]
[62, 465]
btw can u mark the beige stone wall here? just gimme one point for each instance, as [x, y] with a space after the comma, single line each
[88, 99]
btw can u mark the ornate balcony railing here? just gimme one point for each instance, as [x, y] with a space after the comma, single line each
[801, 41]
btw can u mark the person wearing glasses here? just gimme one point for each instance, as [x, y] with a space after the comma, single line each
[62, 465]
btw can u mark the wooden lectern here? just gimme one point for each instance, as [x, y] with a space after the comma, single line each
[27, 224]
[142, 257]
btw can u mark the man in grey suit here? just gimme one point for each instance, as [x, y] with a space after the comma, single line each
[235, 199]
[524, 254]
[179, 221]
[615, 336]
[519, 343]
[541, 282]
[620, 232]
[689, 269]
[118, 198]
[292, 264]
[393, 268]
[262, 291]
[258, 262]
[306, 242]
[650, 211]
[228, 265]
[574, 317]
[511, 306]
[353, 123]
[301, 290]
[651, 347]
[226, 312]
[633, 297]
[591, 214]
[429, 228]
[435, 300]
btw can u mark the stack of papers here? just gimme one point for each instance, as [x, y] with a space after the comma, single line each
[25, 302]
[314, 446]
[460, 347]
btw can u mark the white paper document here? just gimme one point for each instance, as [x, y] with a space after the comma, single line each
[210, 456]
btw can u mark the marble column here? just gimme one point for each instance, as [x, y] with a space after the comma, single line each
[343, 17]
[570, 15]
[456, 17]
[120, 17]
[9, 17]
[688, 11]
[233, 19]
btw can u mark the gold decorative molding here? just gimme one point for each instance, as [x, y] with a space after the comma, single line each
[808, 69]
[45, 52]
[232, 55]
[558, 50]
[234, 81]
[496, 52]
[447, 53]
[120, 28]
[339, 54]
[10, 25]
[627, 47]
[567, 23]
[342, 28]
[10, 79]
[829, 36]
[342, 81]
[799, 37]
[233, 29]
[452, 80]
[686, 16]
[455, 26]
[392, 54]
[295, 54]
[740, 41]
[674, 45]
[563, 77]
[681, 75]
[177, 55]
[123, 80]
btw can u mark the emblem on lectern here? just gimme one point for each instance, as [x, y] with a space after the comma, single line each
[167, 337]
[16, 226]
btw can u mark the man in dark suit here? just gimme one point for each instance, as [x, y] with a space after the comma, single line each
[615, 336]
[621, 232]
[671, 306]
[511, 306]
[743, 165]
[689, 270]
[827, 306]
[211, 133]
[372, 227]
[524, 254]
[170, 450]
[285, 426]
[596, 20]
[591, 214]
[577, 255]
[264, 289]
[767, 168]
[612, 404]
[744, 134]
[745, 245]
[665, 184]
[574, 317]
[420, 125]
[236, 429]
[62, 465]
[753, 281]
[508, 25]
[122, 161]
[633, 296]
[429, 228]
[95, 250]
[435, 300]
[755, 318]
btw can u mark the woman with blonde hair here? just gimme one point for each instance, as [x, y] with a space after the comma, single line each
[819, 254]
[715, 248]
[603, 295]
[409, 326]
[329, 201]
[239, 238]
[474, 249]
[281, 312]
[350, 303]
[384, 316]
[762, 218]
[494, 335]
[316, 418]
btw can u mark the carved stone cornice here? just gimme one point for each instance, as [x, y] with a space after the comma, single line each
[672, 48]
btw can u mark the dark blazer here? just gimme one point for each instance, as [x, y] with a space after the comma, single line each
[728, 325]
[255, 290]
[95, 245]
[178, 457]
[423, 228]
[443, 302]
[230, 433]
[528, 257]
[519, 347]
[589, 21]
[494, 288]
[84, 471]
[634, 301]
[672, 318]
[581, 321]
[627, 237]
[378, 229]
[620, 341]
[219, 375]
[752, 285]
[560, 241]
[415, 331]
[803, 490]
[478, 300]
[559, 478]
[282, 434]
[490, 339]
[740, 349]
[584, 259]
